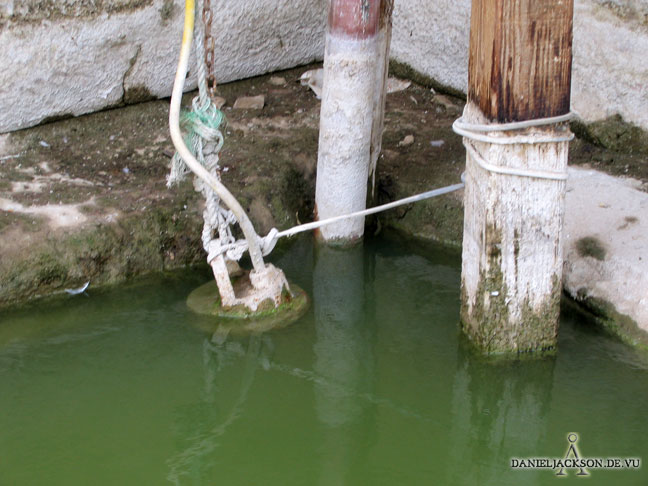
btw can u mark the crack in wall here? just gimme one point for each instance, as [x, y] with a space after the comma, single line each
[137, 93]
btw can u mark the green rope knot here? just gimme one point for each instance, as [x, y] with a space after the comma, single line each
[205, 121]
[201, 125]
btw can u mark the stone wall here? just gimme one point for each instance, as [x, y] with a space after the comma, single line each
[69, 57]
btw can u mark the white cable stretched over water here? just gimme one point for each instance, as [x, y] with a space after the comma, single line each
[268, 242]
[377, 209]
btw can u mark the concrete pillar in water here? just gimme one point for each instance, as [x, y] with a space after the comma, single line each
[355, 64]
[519, 69]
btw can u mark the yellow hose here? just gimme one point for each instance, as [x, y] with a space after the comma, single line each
[187, 34]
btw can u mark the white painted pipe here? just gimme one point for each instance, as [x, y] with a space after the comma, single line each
[351, 62]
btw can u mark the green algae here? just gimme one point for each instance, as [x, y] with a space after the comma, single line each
[590, 246]
[487, 322]
[239, 320]
[103, 254]
[613, 133]
[605, 316]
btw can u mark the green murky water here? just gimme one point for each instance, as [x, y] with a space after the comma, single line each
[370, 387]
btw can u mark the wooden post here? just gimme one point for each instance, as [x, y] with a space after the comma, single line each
[519, 69]
[354, 71]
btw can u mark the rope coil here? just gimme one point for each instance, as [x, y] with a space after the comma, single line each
[494, 134]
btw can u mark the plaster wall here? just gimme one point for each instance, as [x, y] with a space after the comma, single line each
[69, 57]
[610, 71]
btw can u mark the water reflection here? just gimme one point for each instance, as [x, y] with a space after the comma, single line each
[499, 410]
[344, 360]
[203, 425]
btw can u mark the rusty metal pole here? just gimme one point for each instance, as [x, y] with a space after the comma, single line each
[353, 74]
[380, 94]
[519, 69]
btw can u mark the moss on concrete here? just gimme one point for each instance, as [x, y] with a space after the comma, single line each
[605, 316]
[613, 133]
[591, 246]
[239, 320]
[404, 70]
[137, 94]
[166, 11]
[39, 10]
[487, 323]
[104, 254]
[630, 11]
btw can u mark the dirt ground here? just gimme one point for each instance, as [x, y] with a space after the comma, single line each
[84, 199]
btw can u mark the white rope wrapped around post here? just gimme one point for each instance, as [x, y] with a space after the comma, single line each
[494, 133]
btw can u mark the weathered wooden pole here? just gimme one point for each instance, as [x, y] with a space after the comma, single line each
[519, 70]
[354, 71]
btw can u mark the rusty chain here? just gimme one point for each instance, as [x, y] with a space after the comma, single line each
[207, 18]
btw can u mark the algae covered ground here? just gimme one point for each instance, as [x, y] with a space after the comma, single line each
[85, 199]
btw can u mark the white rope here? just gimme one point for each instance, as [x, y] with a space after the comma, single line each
[206, 143]
[518, 125]
[475, 131]
[510, 139]
[190, 159]
[268, 242]
[483, 132]
[536, 174]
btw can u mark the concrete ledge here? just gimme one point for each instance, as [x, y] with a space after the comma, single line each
[606, 243]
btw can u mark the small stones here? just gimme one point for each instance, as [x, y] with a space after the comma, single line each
[446, 102]
[277, 81]
[437, 143]
[394, 85]
[408, 140]
[218, 102]
[249, 102]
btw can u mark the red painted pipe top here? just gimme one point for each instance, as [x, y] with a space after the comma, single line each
[354, 18]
